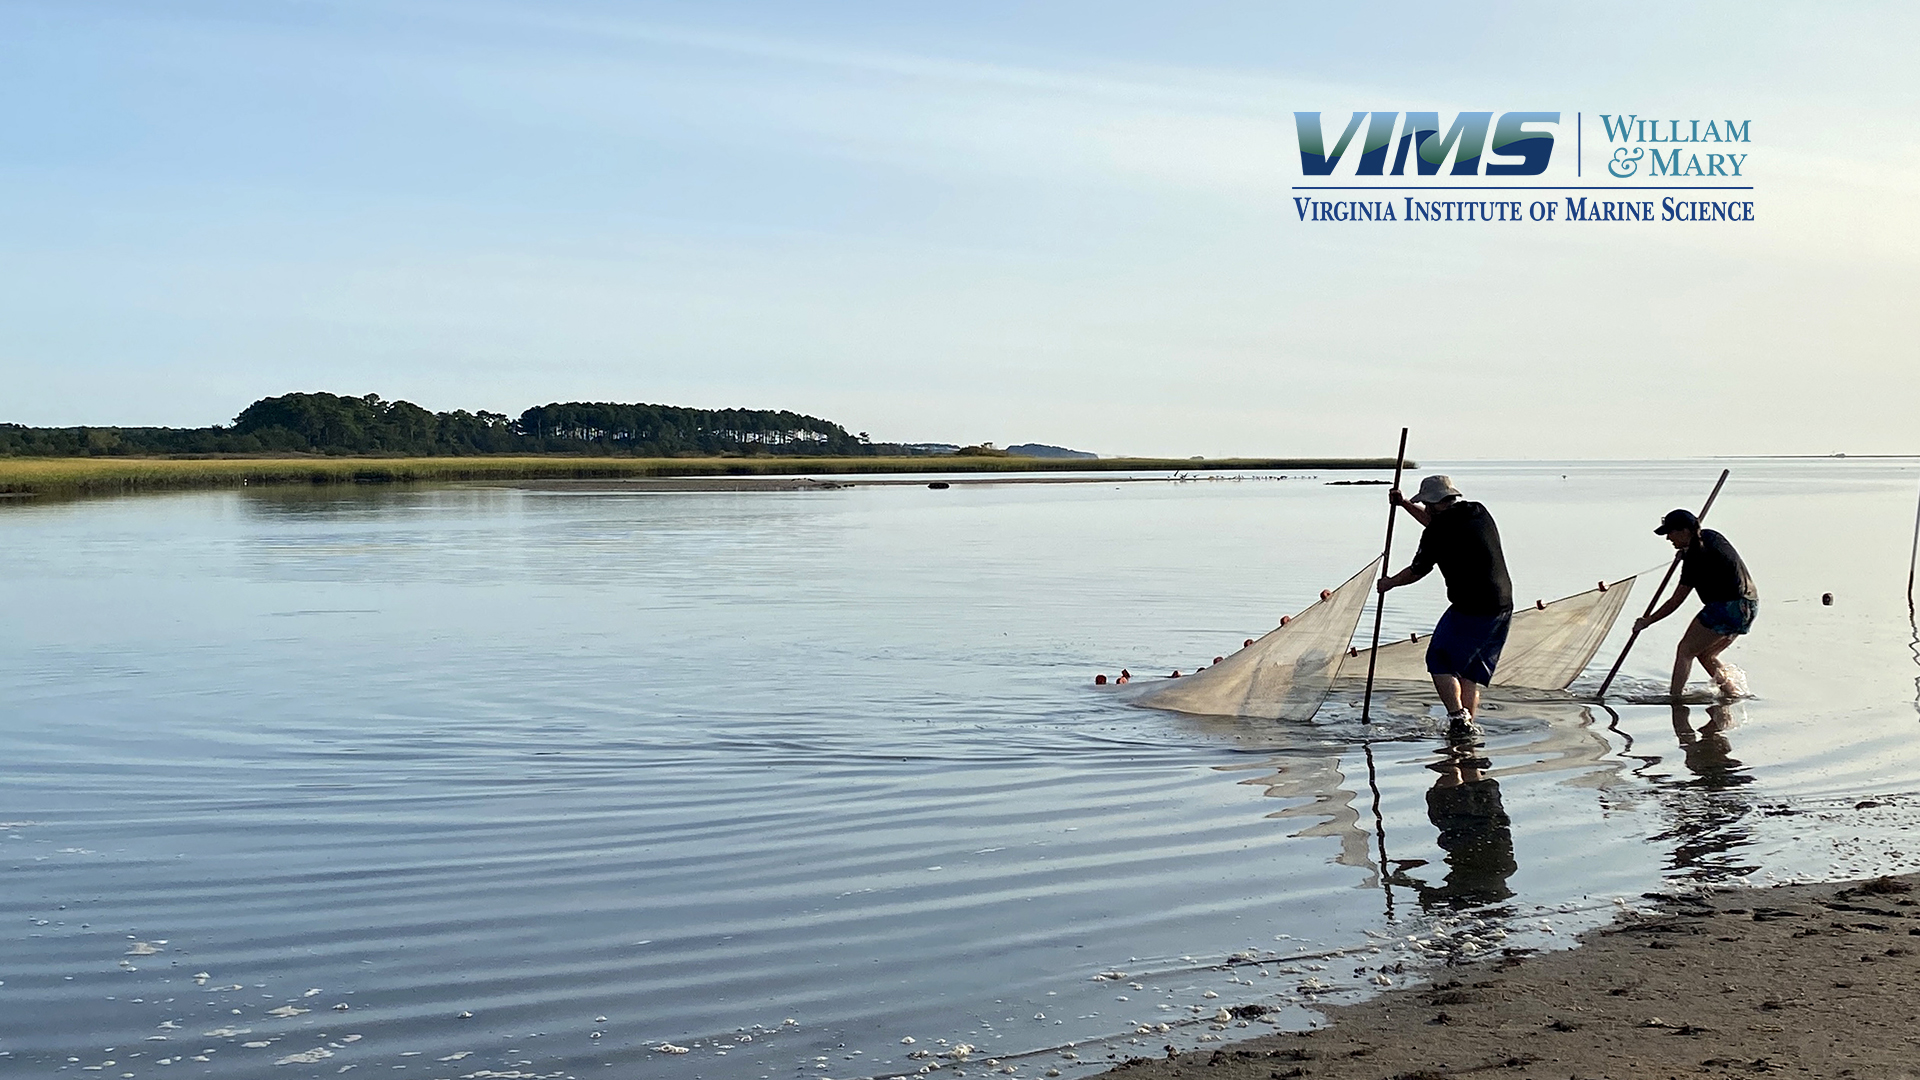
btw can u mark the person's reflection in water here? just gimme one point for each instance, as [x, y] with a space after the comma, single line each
[1709, 811]
[1707, 751]
[1475, 832]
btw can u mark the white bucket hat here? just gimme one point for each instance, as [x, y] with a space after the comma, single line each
[1435, 489]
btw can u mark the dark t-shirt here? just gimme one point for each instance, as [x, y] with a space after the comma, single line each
[1464, 543]
[1715, 571]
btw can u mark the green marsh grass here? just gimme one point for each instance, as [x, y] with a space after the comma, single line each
[121, 475]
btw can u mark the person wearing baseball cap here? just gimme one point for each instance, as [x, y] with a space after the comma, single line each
[1710, 567]
[1463, 541]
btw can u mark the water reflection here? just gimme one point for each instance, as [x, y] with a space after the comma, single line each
[1695, 814]
[1707, 750]
[1475, 832]
[1699, 803]
[1913, 623]
[1709, 809]
[1459, 786]
[1317, 791]
[1913, 642]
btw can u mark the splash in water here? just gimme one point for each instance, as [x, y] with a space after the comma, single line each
[1733, 682]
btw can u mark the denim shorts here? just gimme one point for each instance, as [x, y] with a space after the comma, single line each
[1729, 617]
[1467, 646]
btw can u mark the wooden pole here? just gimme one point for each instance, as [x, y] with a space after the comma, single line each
[1657, 593]
[1380, 598]
[1912, 561]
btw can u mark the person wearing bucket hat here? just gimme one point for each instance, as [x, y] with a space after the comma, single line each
[1711, 567]
[1463, 541]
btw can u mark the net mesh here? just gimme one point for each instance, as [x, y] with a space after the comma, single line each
[1547, 647]
[1284, 675]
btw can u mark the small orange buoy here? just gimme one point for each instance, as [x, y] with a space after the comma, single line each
[1099, 680]
[1326, 594]
[1284, 620]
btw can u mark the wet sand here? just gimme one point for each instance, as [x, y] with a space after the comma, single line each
[1798, 980]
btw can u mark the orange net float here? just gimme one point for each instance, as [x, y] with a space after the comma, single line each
[1284, 620]
[1326, 594]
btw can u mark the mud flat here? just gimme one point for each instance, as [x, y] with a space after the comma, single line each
[1796, 980]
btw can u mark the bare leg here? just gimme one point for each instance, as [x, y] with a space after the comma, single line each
[1448, 687]
[1710, 661]
[1470, 696]
[1702, 644]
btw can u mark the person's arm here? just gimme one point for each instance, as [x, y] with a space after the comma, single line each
[1672, 605]
[1420, 567]
[1405, 577]
[1418, 512]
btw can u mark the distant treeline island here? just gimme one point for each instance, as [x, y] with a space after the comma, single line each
[321, 438]
[332, 424]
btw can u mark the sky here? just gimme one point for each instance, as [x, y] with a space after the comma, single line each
[1069, 223]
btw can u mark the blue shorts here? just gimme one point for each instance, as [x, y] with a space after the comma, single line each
[1467, 646]
[1729, 617]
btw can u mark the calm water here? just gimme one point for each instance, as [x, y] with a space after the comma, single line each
[483, 783]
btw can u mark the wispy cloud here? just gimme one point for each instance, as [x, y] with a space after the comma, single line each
[1086, 243]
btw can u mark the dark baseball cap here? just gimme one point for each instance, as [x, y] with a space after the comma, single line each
[1677, 519]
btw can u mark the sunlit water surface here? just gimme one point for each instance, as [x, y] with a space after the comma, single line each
[478, 782]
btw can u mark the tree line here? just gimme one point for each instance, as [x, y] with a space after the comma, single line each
[331, 424]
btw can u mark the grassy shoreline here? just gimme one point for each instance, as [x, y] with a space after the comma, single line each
[125, 475]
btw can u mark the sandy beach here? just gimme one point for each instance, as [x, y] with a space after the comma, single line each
[1800, 980]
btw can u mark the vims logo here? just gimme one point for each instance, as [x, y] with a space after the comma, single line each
[1518, 148]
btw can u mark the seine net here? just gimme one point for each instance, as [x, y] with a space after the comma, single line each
[1547, 647]
[1284, 675]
